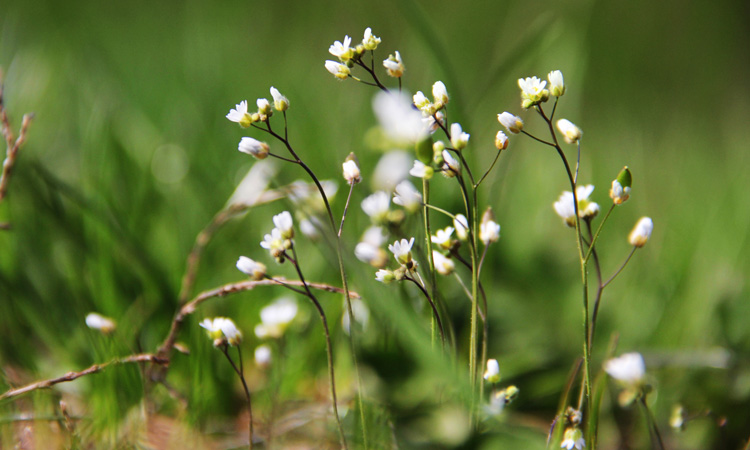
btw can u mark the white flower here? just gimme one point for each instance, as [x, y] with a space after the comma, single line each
[432, 124]
[402, 250]
[532, 91]
[444, 266]
[263, 355]
[391, 169]
[489, 232]
[264, 107]
[370, 41]
[370, 254]
[240, 114]
[96, 321]
[423, 103]
[351, 172]
[459, 139]
[421, 171]
[222, 331]
[573, 438]
[359, 311]
[462, 227]
[586, 209]
[513, 123]
[274, 243]
[556, 83]
[394, 66]
[501, 140]
[641, 232]
[280, 102]
[253, 147]
[374, 236]
[399, 120]
[343, 51]
[628, 368]
[252, 268]
[565, 208]
[451, 166]
[443, 238]
[384, 276]
[440, 94]
[497, 403]
[338, 70]
[376, 206]
[407, 196]
[492, 374]
[284, 223]
[570, 132]
[276, 317]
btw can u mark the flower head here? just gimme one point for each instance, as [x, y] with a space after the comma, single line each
[240, 115]
[513, 123]
[96, 321]
[342, 50]
[351, 172]
[370, 41]
[641, 232]
[556, 83]
[451, 166]
[628, 368]
[376, 206]
[264, 108]
[573, 438]
[492, 374]
[254, 269]
[620, 191]
[586, 209]
[444, 266]
[532, 91]
[440, 94]
[280, 102]
[565, 208]
[253, 147]
[222, 331]
[400, 121]
[384, 276]
[275, 244]
[284, 223]
[459, 139]
[443, 238]
[420, 170]
[407, 196]
[276, 317]
[402, 250]
[570, 132]
[462, 227]
[394, 66]
[262, 355]
[489, 232]
[501, 140]
[338, 70]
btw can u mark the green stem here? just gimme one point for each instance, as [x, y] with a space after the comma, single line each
[598, 230]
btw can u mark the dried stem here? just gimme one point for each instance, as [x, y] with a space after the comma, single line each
[13, 145]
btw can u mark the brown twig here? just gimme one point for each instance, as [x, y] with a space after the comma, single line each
[70, 376]
[12, 144]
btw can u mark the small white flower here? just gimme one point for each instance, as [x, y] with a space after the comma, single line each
[628, 368]
[462, 227]
[451, 166]
[359, 311]
[240, 114]
[431, 124]
[573, 438]
[513, 123]
[338, 70]
[274, 243]
[570, 132]
[263, 355]
[421, 171]
[459, 139]
[280, 102]
[443, 238]
[343, 51]
[618, 193]
[222, 331]
[423, 103]
[400, 121]
[252, 268]
[384, 276]
[394, 66]
[391, 169]
[492, 374]
[641, 232]
[351, 172]
[489, 232]
[376, 206]
[370, 41]
[276, 317]
[370, 254]
[501, 140]
[253, 147]
[96, 321]
[444, 266]
[440, 94]
[532, 91]
[565, 208]
[284, 223]
[586, 208]
[264, 107]
[402, 250]
[497, 403]
[375, 236]
[407, 196]
[556, 83]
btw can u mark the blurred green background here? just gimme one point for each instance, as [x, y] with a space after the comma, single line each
[130, 156]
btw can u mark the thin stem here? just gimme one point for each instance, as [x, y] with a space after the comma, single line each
[656, 440]
[598, 230]
[432, 305]
[497, 156]
[240, 373]
[329, 348]
[374, 76]
[428, 246]
[578, 161]
[630, 255]
[537, 139]
[346, 208]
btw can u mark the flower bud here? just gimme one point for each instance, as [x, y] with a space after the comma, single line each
[620, 191]
[280, 102]
[556, 83]
[501, 141]
[513, 123]
[370, 41]
[641, 232]
[439, 94]
[98, 322]
[394, 66]
[351, 170]
[338, 70]
[570, 132]
[492, 374]
[264, 107]
[253, 147]
[254, 269]
[459, 139]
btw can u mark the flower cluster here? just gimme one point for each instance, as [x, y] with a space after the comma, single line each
[223, 331]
